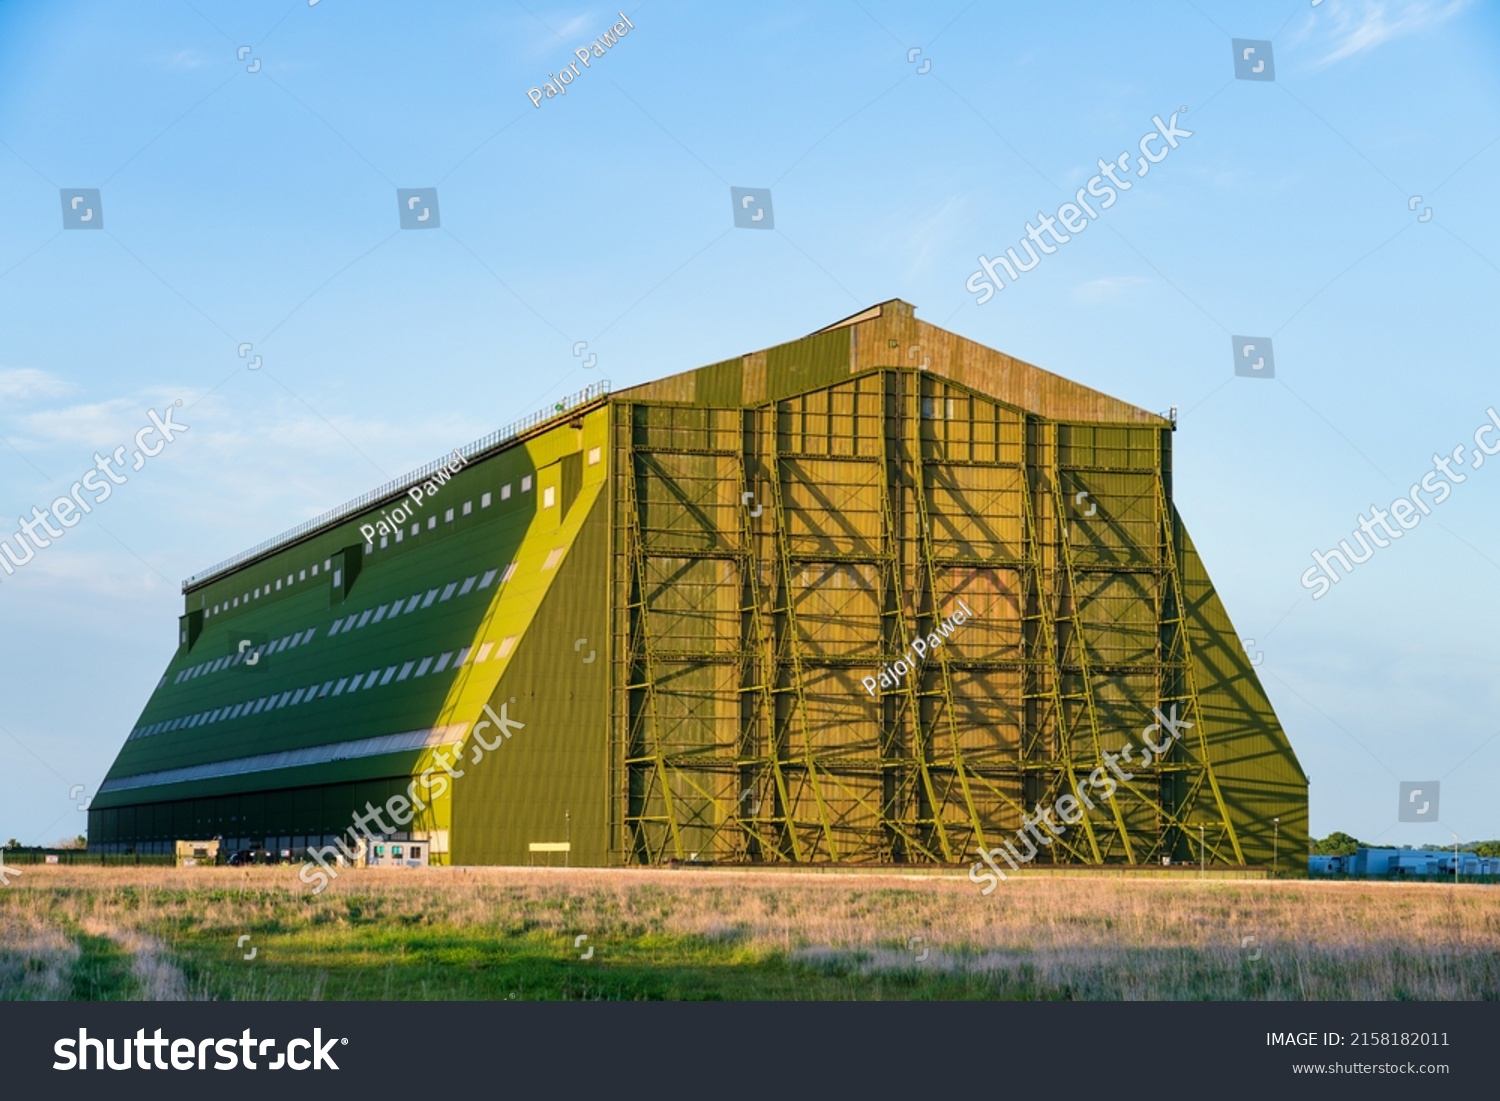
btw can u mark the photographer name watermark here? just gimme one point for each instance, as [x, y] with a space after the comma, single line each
[893, 674]
[557, 83]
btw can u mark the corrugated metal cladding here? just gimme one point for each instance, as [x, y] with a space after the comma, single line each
[683, 594]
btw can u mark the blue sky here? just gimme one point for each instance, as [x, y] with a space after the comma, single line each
[259, 207]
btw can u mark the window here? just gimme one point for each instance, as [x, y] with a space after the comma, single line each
[489, 576]
[389, 673]
[554, 556]
[384, 540]
[594, 456]
[422, 669]
[468, 507]
[431, 596]
[364, 618]
[484, 652]
[405, 670]
[462, 654]
[400, 535]
[505, 492]
[468, 584]
[484, 501]
[396, 851]
[448, 590]
[302, 575]
[278, 584]
[328, 563]
[526, 484]
[442, 662]
[236, 603]
[507, 644]
[415, 528]
[510, 571]
[379, 614]
[416, 852]
[338, 577]
[288, 579]
[448, 517]
[549, 497]
[315, 569]
[432, 521]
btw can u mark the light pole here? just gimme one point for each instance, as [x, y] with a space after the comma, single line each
[568, 858]
[1202, 854]
[1275, 845]
[1455, 860]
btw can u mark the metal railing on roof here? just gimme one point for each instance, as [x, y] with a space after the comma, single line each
[400, 485]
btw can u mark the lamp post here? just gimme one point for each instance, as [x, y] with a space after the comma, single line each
[568, 857]
[1202, 854]
[1275, 845]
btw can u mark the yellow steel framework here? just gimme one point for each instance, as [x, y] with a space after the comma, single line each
[768, 559]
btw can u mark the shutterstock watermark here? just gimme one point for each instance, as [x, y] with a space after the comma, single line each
[1104, 780]
[986, 282]
[70, 508]
[323, 862]
[1406, 511]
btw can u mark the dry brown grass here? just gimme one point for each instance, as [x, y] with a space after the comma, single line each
[1068, 937]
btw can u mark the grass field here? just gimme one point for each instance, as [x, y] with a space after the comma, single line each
[508, 933]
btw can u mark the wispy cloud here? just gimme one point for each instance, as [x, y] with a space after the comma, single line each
[28, 384]
[1096, 292]
[1356, 26]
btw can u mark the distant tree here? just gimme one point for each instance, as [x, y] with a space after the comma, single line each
[1483, 848]
[12, 844]
[79, 842]
[1336, 843]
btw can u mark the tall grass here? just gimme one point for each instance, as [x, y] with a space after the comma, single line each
[500, 933]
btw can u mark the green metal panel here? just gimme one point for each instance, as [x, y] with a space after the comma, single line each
[548, 781]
